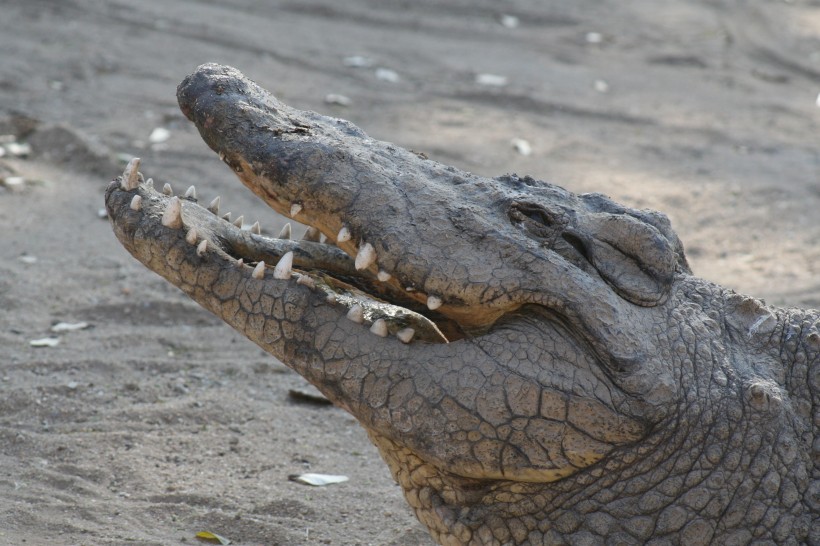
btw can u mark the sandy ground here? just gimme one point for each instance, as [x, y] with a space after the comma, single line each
[157, 421]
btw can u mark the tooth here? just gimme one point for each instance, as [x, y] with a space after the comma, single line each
[285, 233]
[356, 314]
[259, 271]
[344, 235]
[433, 302]
[256, 228]
[203, 246]
[130, 180]
[172, 217]
[405, 335]
[383, 275]
[240, 262]
[190, 193]
[284, 268]
[136, 203]
[379, 328]
[191, 236]
[295, 209]
[166, 189]
[305, 280]
[365, 257]
[331, 298]
[150, 182]
[239, 221]
[214, 206]
[312, 235]
[227, 216]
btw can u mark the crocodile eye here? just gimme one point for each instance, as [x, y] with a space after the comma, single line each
[535, 219]
[553, 230]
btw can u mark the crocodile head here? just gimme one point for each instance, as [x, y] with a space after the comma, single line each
[505, 342]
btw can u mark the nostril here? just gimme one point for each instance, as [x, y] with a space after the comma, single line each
[577, 244]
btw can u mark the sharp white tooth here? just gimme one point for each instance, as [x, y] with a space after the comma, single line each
[239, 221]
[379, 328]
[227, 216]
[202, 248]
[312, 235]
[356, 314]
[150, 182]
[284, 268]
[190, 193]
[172, 217]
[285, 233]
[383, 275]
[259, 271]
[166, 189]
[365, 257]
[136, 203]
[295, 209]
[214, 206]
[130, 178]
[331, 298]
[433, 302]
[405, 335]
[344, 235]
[191, 236]
[240, 262]
[256, 228]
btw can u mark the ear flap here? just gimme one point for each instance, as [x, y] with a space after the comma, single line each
[632, 256]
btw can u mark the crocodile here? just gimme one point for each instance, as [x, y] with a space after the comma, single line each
[534, 366]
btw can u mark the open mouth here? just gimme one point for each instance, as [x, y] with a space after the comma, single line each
[314, 261]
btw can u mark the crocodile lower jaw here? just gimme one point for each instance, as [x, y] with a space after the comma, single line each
[320, 266]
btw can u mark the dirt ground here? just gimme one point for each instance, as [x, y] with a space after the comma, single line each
[157, 421]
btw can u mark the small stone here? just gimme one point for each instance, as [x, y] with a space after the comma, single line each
[358, 61]
[69, 326]
[45, 342]
[14, 182]
[159, 135]
[594, 37]
[509, 21]
[18, 149]
[28, 259]
[521, 146]
[491, 80]
[341, 100]
[601, 86]
[387, 75]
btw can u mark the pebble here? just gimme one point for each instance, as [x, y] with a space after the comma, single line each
[491, 80]
[341, 100]
[387, 75]
[521, 146]
[358, 61]
[159, 135]
[45, 342]
[601, 86]
[69, 326]
[509, 21]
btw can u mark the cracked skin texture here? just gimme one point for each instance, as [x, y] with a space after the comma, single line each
[593, 391]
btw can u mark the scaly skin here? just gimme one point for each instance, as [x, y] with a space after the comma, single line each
[592, 391]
